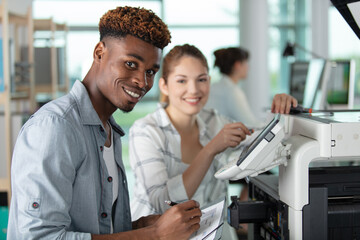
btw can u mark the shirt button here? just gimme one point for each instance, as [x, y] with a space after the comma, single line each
[109, 179]
[104, 215]
[101, 129]
[101, 148]
[35, 205]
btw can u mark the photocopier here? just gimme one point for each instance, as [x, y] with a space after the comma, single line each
[315, 192]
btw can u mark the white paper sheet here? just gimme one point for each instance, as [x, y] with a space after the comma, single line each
[211, 218]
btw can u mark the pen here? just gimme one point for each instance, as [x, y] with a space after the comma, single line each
[170, 203]
[212, 231]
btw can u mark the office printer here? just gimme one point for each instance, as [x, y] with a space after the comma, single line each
[316, 193]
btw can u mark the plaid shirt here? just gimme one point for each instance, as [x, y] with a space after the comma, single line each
[155, 158]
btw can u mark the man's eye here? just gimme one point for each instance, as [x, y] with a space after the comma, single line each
[131, 64]
[181, 81]
[203, 79]
[150, 72]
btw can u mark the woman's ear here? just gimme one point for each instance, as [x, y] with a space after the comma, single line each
[98, 51]
[237, 65]
[163, 87]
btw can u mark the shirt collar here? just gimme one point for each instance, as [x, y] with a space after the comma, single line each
[164, 120]
[87, 112]
[203, 128]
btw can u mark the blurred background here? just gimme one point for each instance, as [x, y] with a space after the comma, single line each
[48, 44]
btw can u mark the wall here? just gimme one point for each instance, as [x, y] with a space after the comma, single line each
[19, 6]
[254, 37]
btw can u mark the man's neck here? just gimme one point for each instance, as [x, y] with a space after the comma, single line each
[101, 105]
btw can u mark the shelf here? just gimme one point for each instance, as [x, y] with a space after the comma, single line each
[5, 100]
[4, 184]
[11, 29]
[3, 97]
[48, 25]
[48, 88]
[43, 24]
[18, 19]
[55, 85]
[23, 95]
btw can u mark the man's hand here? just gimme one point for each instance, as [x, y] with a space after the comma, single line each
[145, 221]
[282, 103]
[179, 222]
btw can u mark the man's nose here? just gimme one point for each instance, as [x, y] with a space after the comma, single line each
[141, 80]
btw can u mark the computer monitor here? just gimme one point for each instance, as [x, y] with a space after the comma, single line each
[298, 74]
[315, 85]
[341, 84]
[323, 84]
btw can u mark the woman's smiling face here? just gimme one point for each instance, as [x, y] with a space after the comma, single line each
[188, 85]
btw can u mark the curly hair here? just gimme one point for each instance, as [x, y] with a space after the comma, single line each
[225, 58]
[138, 22]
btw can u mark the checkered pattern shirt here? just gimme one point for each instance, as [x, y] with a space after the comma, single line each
[155, 158]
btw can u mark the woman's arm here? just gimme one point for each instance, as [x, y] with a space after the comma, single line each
[229, 136]
[156, 181]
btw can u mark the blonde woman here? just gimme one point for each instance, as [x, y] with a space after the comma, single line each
[176, 150]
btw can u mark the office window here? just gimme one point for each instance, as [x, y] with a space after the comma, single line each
[201, 12]
[83, 13]
[289, 22]
[207, 40]
[82, 18]
[211, 28]
[207, 24]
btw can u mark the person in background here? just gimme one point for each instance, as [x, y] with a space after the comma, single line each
[175, 151]
[226, 96]
[68, 179]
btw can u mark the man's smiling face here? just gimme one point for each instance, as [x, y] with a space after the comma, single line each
[127, 69]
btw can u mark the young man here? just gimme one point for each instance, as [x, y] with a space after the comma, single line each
[68, 179]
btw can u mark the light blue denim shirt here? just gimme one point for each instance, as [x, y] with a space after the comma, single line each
[61, 188]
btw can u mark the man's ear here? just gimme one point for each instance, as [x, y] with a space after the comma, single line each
[99, 51]
[163, 87]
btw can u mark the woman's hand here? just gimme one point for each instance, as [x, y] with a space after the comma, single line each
[230, 136]
[282, 103]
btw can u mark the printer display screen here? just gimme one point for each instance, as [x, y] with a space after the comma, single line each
[265, 134]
